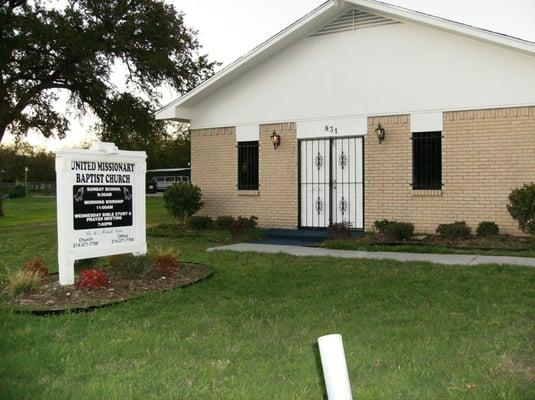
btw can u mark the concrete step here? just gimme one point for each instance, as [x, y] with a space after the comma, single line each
[300, 235]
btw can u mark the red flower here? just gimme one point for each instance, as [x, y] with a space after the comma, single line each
[93, 278]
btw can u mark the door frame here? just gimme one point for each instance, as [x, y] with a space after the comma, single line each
[330, 140]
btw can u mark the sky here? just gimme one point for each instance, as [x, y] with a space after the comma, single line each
[230, 28]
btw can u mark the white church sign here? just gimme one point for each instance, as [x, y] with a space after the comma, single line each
[101, 204]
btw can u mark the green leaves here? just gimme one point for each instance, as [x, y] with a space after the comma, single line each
[183, 200]
[127, 121]
[521, 206]
[80, 48]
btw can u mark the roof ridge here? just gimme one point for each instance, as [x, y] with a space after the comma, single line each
[448, 20]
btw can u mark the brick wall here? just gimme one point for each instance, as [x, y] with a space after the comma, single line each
[485, 154]
[214, 156]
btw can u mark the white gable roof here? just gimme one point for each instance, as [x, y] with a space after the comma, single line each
[314, 22]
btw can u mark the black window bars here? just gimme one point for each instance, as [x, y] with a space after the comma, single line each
[427, 161]
[248, 165]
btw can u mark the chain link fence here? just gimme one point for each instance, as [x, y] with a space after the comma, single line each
[44, 188]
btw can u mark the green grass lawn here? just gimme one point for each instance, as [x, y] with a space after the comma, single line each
[42, 210]
[29, 229]
[411, 330]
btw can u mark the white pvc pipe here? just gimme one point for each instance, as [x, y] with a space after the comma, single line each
[333, 362]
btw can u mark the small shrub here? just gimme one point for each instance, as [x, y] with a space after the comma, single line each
[166, 263]
[457, 230]
[198, 222]
[399, 231]
[93, 278]
[36, 266]
[241, 223]
[129, 265]
[380, 225]
[521, 206]
[224, 222]
[20, 282]
[487, 228]
[16, 192]
[182, 200]
[340, 230]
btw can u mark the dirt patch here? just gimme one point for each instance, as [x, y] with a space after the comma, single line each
[50, 297]
[515, 367]
[498, 242]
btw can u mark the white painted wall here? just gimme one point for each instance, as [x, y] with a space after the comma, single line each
[334, 127]
[402, 68]
[427, 122]
[247, 133]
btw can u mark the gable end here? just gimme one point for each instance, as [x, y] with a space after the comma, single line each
[352, 20]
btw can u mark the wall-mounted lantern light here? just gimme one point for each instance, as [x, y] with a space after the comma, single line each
[380, 132]
[275, 139]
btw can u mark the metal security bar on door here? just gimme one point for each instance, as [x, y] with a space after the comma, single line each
[331, 182]
[315, 183]
[347, 183]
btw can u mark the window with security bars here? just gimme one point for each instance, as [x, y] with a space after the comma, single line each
[248, 165]
[427, 161]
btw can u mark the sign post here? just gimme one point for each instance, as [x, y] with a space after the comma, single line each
[100, 204]
[333, 362]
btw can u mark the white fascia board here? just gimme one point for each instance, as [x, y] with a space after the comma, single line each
[283, 39]
[173, 113]
[165, 113]
[406, 15]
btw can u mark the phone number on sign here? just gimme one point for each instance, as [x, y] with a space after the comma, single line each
[122, 239]
[90, 242]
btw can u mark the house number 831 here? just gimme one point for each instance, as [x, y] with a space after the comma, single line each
[331, 129]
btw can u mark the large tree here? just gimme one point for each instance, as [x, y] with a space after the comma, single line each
[80, 48]
[131, 130]
[44, 49]
[166, 145]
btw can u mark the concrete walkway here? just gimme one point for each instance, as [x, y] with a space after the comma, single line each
[448, 259]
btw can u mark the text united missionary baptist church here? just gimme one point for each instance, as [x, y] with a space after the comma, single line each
[99, 172]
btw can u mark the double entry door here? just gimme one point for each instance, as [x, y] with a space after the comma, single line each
[331, 182]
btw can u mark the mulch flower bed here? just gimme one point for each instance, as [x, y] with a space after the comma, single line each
[498, 242]
[50, 297]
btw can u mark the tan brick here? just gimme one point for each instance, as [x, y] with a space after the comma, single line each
[485, 154]
[214, 169]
